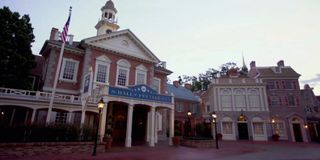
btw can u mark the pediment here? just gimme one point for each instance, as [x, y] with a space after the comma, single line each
[123, 42]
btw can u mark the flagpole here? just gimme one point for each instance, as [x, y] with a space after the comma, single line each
[56, 78]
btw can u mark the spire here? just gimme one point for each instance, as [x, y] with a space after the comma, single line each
[244, 68]
[108, 21]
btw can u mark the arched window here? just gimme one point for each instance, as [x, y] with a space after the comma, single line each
[123, 69]
[227, 125]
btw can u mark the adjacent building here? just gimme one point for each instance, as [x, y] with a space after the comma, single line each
[240, 103]
[312, 111]
[284, 98]
[185, 101]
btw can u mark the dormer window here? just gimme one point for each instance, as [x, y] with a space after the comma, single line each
[108, 31]
[277, 70]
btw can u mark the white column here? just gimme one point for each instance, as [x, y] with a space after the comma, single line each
[103, 120]
[151, 143]
[129, 126]
[83, 115]
[12, 116]
[156, 128]
[171, 133]
[33, 115]
[69, 117]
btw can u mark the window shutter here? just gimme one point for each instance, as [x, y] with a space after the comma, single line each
[286, 99]
[269, 100]
[283, 84]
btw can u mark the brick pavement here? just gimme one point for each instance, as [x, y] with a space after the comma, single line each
[228, 150]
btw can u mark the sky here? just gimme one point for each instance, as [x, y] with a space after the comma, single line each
[192, 36]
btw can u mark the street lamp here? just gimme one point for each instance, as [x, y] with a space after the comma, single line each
[100, 106]
[214, 119]
[189, 123]
[272, 124]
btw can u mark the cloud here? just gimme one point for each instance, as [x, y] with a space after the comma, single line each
[315, 80]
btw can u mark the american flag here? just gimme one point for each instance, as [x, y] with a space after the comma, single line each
[64, 33]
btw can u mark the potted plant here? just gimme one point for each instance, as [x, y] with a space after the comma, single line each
[275, 137]
[108, 139]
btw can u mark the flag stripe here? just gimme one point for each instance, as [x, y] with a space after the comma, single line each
[64, 33]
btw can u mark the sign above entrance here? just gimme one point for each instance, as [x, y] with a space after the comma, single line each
[140, 92]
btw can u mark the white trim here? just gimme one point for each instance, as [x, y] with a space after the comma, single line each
[159, 87]
[102, 60]
[75, 72]
[142, 70]
[125, 65]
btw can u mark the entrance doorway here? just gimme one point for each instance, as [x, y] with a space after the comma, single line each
[139, 125]
[243, 131]
[297, 132]
[119, 121]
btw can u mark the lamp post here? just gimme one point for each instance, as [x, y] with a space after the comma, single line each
[272, 124]
[100, 106]
[214, 118]
[189, 121]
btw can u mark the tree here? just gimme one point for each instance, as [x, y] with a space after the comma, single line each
[16, 58]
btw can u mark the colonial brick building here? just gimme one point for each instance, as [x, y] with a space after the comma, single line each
[284, 99]
[113, 65]
[185, 101]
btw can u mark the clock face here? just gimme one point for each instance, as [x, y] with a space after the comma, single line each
[143, 89]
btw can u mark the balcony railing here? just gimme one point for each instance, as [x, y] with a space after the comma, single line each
[37, 95]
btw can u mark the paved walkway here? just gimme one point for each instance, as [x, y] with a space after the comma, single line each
[228, 151]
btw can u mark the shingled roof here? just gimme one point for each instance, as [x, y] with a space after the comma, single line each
[181, 93]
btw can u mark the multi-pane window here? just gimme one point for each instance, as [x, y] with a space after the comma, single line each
[258, 128]
[69, 70]
[61, 118]
[156, 84]
[227, 128]
[101, 75]
[179, 107]
[289, 85]
[122, 77]
[141, 78]
[291, 100]
[271, 85]
[274, 101]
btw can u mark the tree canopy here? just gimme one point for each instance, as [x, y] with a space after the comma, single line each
[16, 58]
[204, 79]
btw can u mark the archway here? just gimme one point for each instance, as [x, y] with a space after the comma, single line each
[297, 130]
[15, 115]
[243, 127]
[139, 124]
[117, 121]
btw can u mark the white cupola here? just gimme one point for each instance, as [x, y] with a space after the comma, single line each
[108, 22]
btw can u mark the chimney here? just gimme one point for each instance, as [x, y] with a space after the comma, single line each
[54, 35]
[176, 84]
[188, 86]
[253, 64]
[70, 39]
[280, 63]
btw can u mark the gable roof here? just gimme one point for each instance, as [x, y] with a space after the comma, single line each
[269, 72]
[181, 93]
[122, 42]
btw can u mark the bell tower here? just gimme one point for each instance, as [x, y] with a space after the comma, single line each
[108, 22]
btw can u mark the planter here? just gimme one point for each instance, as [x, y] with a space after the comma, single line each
[176, 141]
[108, 143]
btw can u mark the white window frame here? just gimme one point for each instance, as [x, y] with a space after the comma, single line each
[141, 70]
[102, 60]
[125, 65]
[155, 79]
[75, 72]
